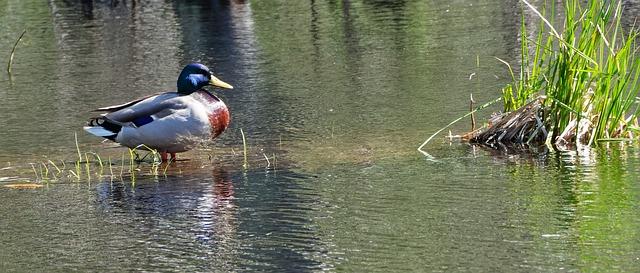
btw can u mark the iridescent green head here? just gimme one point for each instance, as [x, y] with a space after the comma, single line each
[195, 76]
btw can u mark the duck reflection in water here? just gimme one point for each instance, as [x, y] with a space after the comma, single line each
[189, 202]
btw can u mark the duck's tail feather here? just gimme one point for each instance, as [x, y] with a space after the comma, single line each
[103, 127]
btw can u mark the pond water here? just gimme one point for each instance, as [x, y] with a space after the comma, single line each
[333, 98]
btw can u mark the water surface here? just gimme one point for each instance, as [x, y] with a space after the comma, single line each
[333, 99]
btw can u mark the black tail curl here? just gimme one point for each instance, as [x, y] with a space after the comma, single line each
[106, 124]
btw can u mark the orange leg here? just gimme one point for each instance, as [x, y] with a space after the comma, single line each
[163, 155]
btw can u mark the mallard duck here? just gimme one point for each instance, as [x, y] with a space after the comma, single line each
[171, 122]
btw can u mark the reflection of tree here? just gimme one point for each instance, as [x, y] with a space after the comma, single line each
[581, 205]
[608, 197]
[277, 221]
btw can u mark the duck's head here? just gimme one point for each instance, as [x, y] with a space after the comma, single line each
[196, 76]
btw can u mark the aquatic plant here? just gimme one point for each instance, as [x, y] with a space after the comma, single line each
[245, 165]
[89, 164]
[85, 166]
[576, 86]
[13, 51]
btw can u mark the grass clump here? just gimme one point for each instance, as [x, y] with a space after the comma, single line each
[89, 164]
[576, 86]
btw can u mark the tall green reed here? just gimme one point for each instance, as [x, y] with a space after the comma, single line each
[588, 72]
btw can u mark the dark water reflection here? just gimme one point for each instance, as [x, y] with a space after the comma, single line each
[333, 97]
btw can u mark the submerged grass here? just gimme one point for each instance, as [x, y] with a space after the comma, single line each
[142, 160]
[585, 75]
[89, 164]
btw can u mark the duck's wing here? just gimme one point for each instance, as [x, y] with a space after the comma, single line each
[114, 108]
[157, 105]
[134, 114]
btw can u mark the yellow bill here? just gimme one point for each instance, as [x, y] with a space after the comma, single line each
[217, 82]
